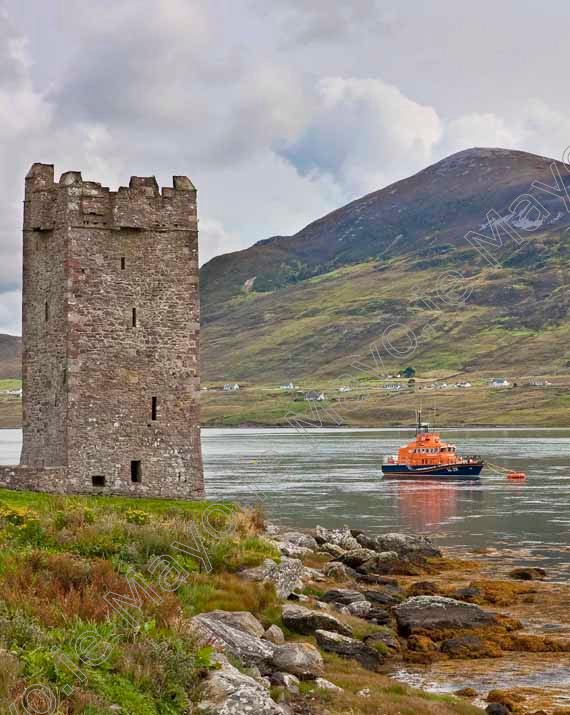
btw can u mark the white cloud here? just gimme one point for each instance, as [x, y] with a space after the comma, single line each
[279, 113]
[365, 133]
[480, 130]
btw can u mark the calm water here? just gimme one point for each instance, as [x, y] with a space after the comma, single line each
[333, 478]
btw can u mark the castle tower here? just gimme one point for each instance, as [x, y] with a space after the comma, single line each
[110, 338]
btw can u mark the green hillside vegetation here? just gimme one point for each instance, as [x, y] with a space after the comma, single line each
[305, 307]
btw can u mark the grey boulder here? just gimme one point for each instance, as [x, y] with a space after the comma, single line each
[356, 557]
[274, 635]
[405, 545]
[338, 571]
[242, 620]
[339, 537]
[300, 539]
[342, 596]
[229, 692]
[349, 648]
[332, 549]
[425, 613]
[286, 576]
[248, 649]
[300, 659]
[303, 620]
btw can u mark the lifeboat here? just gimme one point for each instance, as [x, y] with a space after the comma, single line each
[427, 457]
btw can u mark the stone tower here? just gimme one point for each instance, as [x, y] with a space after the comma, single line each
[110, 338]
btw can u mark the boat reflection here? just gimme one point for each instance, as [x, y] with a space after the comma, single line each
[431, 503]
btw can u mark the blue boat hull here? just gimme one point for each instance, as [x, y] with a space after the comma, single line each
[451, 472]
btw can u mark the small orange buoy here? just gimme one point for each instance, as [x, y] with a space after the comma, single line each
[516, 475]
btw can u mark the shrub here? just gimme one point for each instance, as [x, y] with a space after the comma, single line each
[29, 533]
[137, 516]
[16, 516]
[73, 519]
[18, 631]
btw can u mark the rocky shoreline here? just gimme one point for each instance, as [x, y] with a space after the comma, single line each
[379, 603]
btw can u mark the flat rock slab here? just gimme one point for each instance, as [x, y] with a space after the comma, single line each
[427, 613]
[248, 649]
[405, 545]
[242, 620]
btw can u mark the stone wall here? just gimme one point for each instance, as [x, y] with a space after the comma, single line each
[111, 336]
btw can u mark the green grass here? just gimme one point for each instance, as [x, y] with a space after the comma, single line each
[10, 384]
[60, 556]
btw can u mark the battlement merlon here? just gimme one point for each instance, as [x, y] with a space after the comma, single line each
[75, 203]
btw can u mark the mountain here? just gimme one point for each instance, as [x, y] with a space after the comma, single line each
[304, 306]
[10, 356]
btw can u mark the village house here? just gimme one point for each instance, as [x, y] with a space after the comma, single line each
[314, 396]
[499, 382]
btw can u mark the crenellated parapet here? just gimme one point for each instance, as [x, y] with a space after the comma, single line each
[75, 203]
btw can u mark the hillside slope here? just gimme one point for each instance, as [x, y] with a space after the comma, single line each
[10, 356]
[306, 305]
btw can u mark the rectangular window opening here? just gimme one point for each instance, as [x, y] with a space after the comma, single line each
[123, 263]
[136, 470]
[98, 480]
[134, 317]
[154, 409]
[47, 311]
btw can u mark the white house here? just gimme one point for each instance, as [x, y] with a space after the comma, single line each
[314, 396]
[289, 386]
[344, 388]
[231, 387]
[392, 386]
[499, 382]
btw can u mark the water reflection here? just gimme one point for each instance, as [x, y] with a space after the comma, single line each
[428, 504]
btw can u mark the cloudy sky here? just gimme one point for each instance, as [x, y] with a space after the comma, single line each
[279, 110]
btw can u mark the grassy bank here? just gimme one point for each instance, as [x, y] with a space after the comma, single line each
[547, 406]
[61, 556]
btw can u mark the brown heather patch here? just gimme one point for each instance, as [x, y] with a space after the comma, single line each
[59, 588]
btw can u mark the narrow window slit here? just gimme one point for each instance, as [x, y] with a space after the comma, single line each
[154, 409]
[47, 311]
[136, 471]
[134, 317]
[123, 263]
